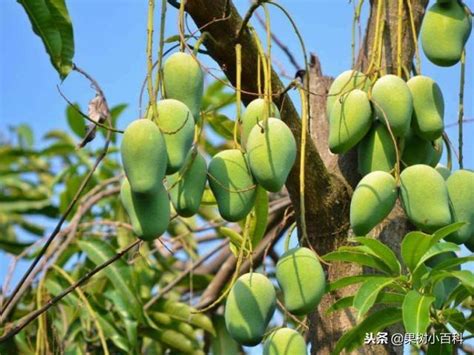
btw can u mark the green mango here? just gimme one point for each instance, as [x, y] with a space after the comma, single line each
[444, 32]
[143, 151]
[255, 112]
[249, 307]
[183, 80]
[376, 151]
[461, 194]
[177, 125]
[343, 84]
[271, 153]
[443, 171]
[424, 197]
[349, 121]
[417, 150]
[428, 107]
[372, 201]
[232, 184]
[188, 184]
[149, 213]
[393, 103]
[285, 341]
[302, 280]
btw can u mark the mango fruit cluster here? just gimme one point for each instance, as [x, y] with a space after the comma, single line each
[365, 115]
[161, 145]
[408, 116]
[444, 32]
[251, 302]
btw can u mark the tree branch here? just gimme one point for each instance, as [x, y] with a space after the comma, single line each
[33, 315]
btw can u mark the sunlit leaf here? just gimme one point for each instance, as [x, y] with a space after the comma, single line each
[51, 22]
[375, 322]
[118, 272]
[416, 312]
[368, 292]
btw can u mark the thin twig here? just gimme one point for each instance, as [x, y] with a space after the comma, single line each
[33, 315]
[69, 208]
[247, 17]
[280, 44]
[181, 276]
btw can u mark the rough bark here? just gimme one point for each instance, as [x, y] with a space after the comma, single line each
[329, 178]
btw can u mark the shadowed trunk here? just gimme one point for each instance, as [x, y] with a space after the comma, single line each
[329, 178]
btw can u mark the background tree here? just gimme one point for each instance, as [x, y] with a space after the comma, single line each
[113, 299]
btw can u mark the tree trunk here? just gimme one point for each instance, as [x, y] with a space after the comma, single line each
[327, 329]
[329, 178]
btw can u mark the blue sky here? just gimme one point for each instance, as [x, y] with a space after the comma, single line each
[110, 45]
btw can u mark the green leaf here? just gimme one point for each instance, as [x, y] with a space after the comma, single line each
[414, 246]
[357, 257]
[368, 292]
[235, 239]
[466, 277]
[455, 318]
[416, 312]
[13, 247]
[75, 120]
[383, 252]
[348, 280]
[51, 22]
[445, 231]
[382, 297]
[112, 333]
[258, 217]
[25, 136]
[436, 249]
[372, 324]
[452, 262]
[118, 272]
[221, 124]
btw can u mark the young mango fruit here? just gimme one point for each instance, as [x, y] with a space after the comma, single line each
[376, 152]
[372, 201]
[349, 121]
[428, 107]
[188, 184]
[271, 150]
[176, 123]
[301, 278]
[417, 150]
[285, 341]
[249, 307]
[461, 194]
[232, 184]
[144, 156]
[183, 80]
[393, 103]
[424, 197]
[345, 83]
[444, 32]
[255, 112]
[149, 213]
